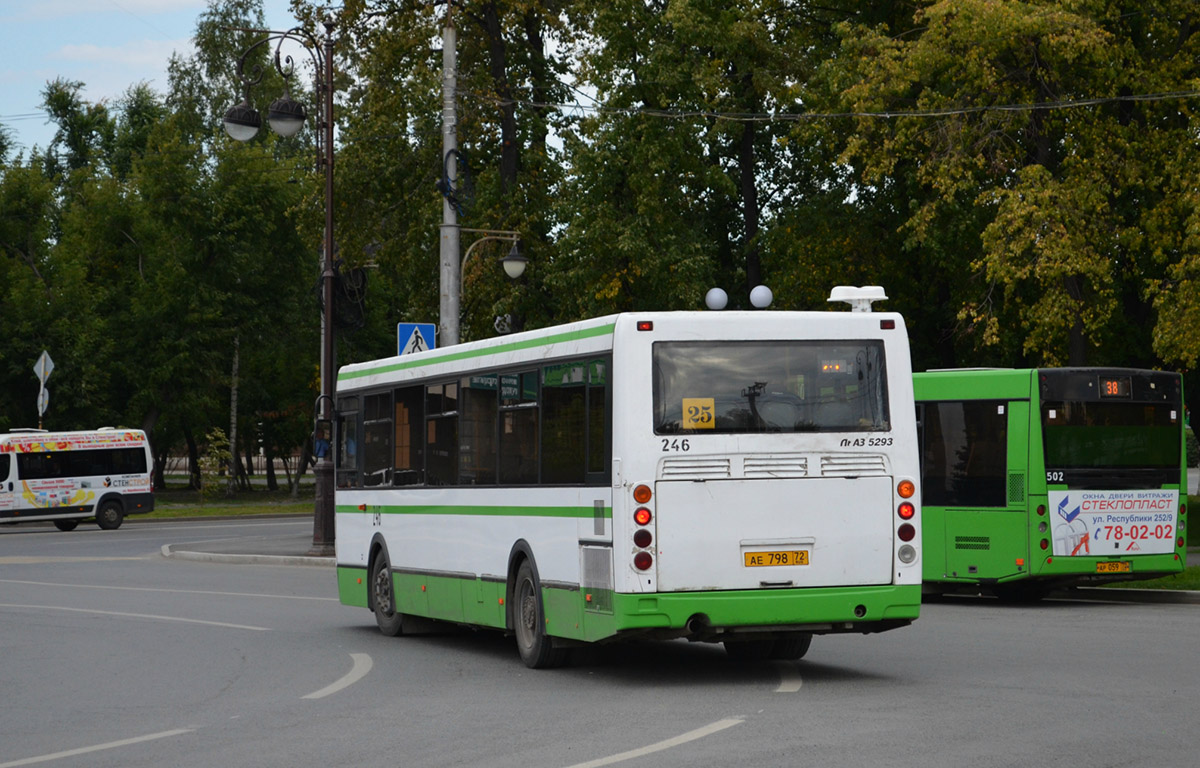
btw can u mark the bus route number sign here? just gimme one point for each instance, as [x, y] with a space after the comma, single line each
[699, 413]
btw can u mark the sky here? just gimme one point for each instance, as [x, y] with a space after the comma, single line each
[108, 45]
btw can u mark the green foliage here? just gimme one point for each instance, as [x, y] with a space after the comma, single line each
[940, 149]
[214, 463]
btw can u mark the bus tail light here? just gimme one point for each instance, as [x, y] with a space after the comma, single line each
[642, 516]
[1041, 510]
[906, 532]
[906, 510]
[906, 489]
[1180, 542]
[642, 494]
[1045, 544]
[907, 553]
[642, 538]
[642, 561]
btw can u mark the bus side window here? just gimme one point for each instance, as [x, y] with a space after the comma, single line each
[377, 439]
[964, 453]
[441, 434]
[519, 428]
[410, 436]
[347, 443]
[564, 423]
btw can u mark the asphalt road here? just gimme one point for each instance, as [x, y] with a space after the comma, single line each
[113, 655]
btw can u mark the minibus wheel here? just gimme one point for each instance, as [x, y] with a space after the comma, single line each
[110, 515]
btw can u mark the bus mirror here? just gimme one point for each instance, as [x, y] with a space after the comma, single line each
[322, 430]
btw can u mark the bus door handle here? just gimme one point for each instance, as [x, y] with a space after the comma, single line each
[776, 583]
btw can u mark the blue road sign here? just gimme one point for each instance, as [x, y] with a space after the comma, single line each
[415, 337]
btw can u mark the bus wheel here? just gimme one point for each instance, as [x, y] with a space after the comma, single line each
[383, 597]
[791, 646]
[750, 650]
[537, 650]
[66, 525]
[109, 516]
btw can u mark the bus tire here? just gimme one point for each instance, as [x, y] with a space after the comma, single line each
[757, 649]
[529, 622]
[110, 515]
[791, 646]
[66, 525]
[383, 598]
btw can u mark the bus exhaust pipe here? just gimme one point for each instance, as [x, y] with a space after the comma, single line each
[699, 626]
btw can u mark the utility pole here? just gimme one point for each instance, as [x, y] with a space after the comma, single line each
[450, 276]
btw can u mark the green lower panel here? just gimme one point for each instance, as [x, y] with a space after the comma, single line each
[764, 608]
[570, 614]
[450, 598]
[352, 586]
[1139, 565]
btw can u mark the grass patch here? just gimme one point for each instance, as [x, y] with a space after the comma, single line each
[183, 502]
[1189, 579]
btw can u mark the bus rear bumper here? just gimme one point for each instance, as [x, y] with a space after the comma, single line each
[714, 616]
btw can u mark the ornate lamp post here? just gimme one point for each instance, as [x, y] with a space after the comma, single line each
[286, 117]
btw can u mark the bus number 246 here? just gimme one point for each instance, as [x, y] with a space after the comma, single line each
[676, 444]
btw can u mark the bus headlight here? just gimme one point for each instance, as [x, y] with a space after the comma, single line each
[907, 553]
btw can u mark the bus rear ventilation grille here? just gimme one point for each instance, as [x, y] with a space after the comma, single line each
[679, 468]
[972, 542]
[853, 466]
[775, 466]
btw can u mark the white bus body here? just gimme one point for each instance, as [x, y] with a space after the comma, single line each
[744, 477]
[65, 477]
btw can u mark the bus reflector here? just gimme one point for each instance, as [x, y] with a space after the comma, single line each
[887, 325]
[642, 494]
[642, 561]
[642, 538]
[906, 510]
[906, 489]
[645, 325]
[906, 532]
[642, 516]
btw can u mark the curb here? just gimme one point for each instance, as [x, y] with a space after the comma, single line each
[170, 551]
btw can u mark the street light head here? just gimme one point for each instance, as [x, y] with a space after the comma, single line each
[286, 116]
[242, 122]
[514, 263]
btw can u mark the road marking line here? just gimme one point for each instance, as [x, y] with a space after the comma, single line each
[169, 591]
[699, 733]
[96, 748]
[791, 680]
[31, 560]
[135, 616]
[362, 665]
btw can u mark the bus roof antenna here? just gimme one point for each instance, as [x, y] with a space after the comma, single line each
[859, 299]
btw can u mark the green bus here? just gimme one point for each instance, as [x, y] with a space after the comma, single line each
[1037, 479]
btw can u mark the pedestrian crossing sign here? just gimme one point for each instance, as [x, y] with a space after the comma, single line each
[414, 337]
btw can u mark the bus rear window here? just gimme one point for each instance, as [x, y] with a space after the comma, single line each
[738, 387]
[1111, 434]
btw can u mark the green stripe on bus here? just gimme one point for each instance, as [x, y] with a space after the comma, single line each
[586, 333]
[475, 511]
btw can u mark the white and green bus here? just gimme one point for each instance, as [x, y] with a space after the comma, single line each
[738, 477]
